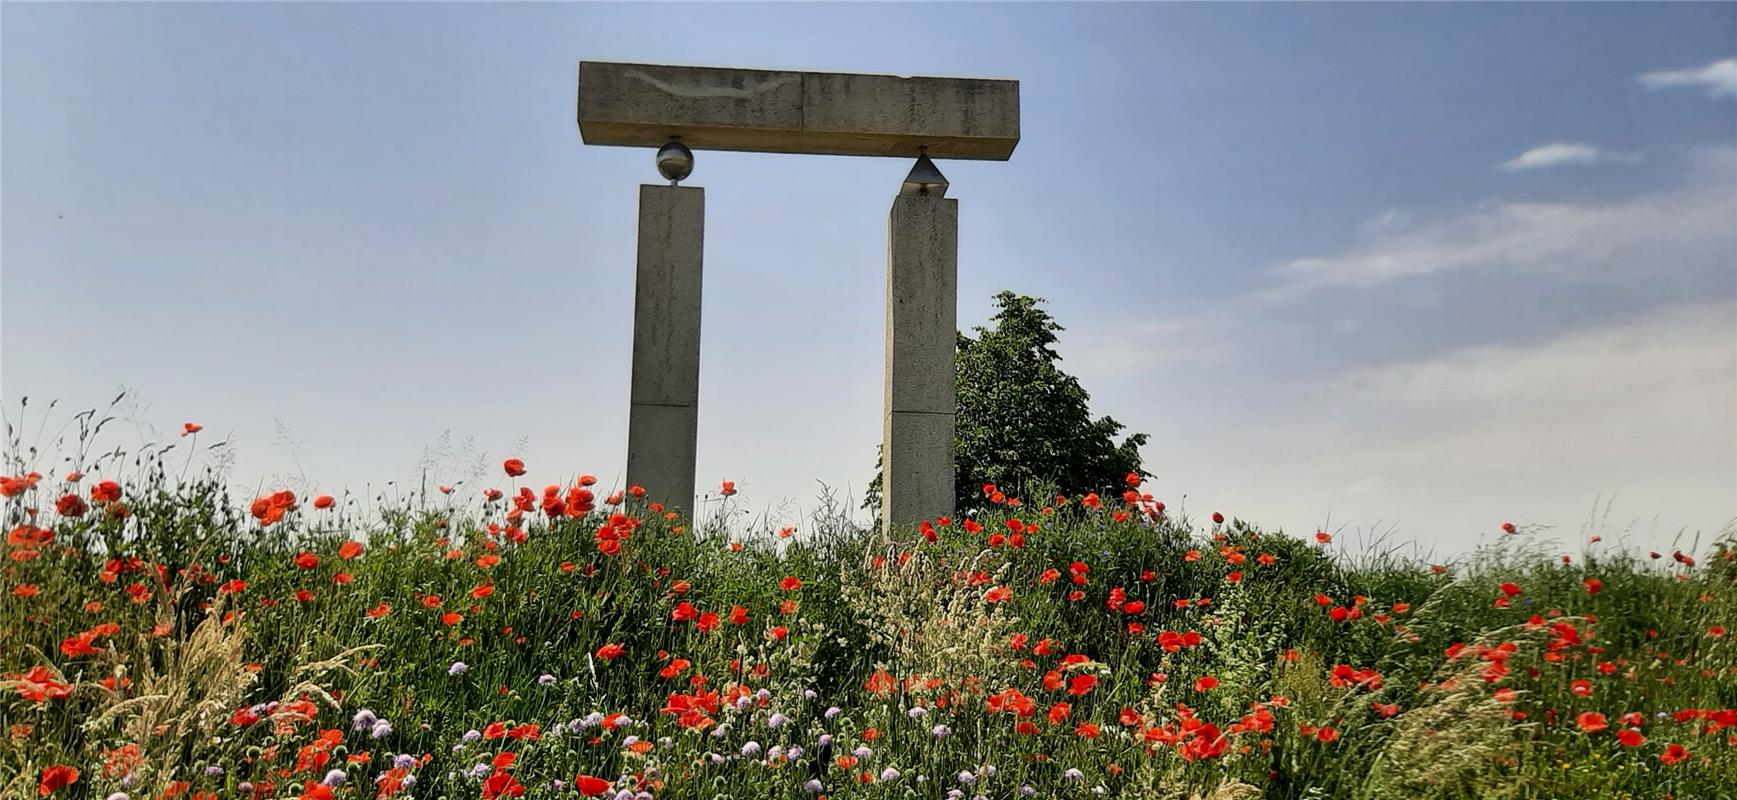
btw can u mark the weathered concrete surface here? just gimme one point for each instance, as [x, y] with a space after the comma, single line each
[921, 348]
[917, 483]
[660, 452]
[663, 423]
[825, 113]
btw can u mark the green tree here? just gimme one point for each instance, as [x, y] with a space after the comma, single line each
[1022, 423]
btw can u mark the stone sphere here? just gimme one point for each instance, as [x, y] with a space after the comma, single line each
[675, 161]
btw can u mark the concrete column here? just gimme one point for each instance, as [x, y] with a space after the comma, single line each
[663, 422]
[922, 342]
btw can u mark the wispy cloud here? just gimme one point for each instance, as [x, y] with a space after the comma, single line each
[1386, 223]
[1719, 78]
[1447, 445]
[1557, 153]
[1572, 238]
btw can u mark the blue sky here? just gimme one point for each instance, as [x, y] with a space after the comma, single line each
[1397, 270]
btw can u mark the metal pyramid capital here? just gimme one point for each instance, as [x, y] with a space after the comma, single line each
[925, 179]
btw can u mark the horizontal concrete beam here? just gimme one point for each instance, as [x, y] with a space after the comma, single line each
[823, 113]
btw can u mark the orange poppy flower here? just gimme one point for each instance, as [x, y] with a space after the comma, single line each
[56, 778]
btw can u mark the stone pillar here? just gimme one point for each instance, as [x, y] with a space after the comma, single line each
[663, 422]
[922, 342]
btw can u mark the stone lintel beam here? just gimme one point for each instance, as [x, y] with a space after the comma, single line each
[821, 113]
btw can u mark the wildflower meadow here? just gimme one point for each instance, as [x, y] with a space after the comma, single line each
[543, 635]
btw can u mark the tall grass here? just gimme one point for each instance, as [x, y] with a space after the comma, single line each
[170, 640]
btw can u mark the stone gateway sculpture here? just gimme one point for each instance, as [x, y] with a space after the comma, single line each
[681, 109]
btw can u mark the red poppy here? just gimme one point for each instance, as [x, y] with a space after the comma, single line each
[501, 784]
[307, 560]
[728, 488]
[1203, 742]
[80, 645]
[71, 506]
[232, 586]
[1673, 754]
[881, 683]
[1080, 684]
[349, 550]
[56, 778]
[106, 492]
[1591, 721]
[39, 684]
[790, 583]
[324, 501]
[514, 467]
[591, 787]
[1630, 737]
[611, 651]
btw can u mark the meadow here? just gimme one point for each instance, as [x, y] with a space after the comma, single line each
[544, 636]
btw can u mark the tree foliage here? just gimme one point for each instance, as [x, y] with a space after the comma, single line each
[1022, 423]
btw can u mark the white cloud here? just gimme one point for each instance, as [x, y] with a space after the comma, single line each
[1642, 410]
[1557, 153]
[1572, 238]
[1386, 223]
[1110, 347]
[1719, 78]
[1626, 424]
